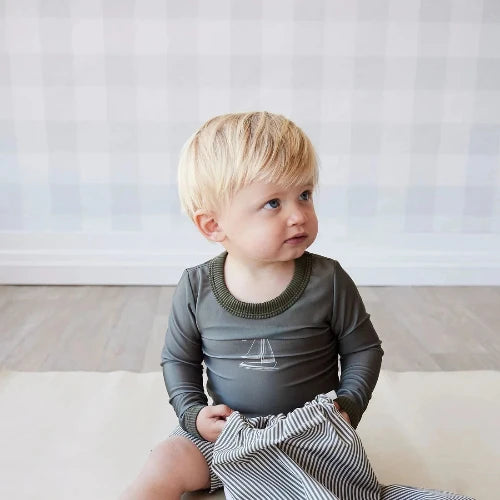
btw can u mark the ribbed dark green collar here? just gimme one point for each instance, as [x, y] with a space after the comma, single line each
[261, 310]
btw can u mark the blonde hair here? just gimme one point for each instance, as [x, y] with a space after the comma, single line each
[231, 151]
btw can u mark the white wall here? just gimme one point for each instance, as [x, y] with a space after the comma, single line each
[400, 98]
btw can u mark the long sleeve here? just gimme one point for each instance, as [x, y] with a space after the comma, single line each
[182, 357]
[359, 347]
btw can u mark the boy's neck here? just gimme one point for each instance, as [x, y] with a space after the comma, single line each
[257, 282]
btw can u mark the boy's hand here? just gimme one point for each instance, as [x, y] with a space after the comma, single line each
[345, 416]
[211, 420]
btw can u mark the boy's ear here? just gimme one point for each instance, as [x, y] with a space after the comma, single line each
[207, 224]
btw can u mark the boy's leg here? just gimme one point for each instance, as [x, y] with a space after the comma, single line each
[173, 467]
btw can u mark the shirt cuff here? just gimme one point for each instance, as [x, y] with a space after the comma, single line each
[188, 420]
[351, 409]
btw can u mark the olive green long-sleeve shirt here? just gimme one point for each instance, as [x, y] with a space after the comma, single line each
[270, 358]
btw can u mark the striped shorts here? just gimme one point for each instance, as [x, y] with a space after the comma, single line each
[311, 453]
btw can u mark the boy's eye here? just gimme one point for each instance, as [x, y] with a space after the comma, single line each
[271, 204]
[306, 195]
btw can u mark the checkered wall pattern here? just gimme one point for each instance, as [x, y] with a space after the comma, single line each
[401, 99]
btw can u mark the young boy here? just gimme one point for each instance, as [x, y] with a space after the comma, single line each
[269, 320]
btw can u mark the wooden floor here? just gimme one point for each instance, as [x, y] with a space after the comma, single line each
[107, 328]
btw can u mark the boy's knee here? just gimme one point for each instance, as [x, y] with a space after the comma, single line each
[176, 459]
[169, 452]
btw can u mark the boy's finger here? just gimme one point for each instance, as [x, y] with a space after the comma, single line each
[221, 411]
[219, 425]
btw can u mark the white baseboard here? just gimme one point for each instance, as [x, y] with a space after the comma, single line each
[442, 261]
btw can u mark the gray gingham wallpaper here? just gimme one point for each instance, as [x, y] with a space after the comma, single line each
[400, 97]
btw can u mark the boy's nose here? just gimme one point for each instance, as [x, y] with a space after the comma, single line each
[297, 216]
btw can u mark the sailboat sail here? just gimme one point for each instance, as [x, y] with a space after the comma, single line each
[260, 356]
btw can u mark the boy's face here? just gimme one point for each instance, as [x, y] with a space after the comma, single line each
[265, 222]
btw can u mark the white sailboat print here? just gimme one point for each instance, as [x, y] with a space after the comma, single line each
[260, 356]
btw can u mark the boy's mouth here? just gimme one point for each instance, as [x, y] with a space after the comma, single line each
[296, 239]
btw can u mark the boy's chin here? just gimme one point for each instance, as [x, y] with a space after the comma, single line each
[294, 252]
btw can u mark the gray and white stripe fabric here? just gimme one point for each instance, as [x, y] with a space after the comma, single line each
[311, 453]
